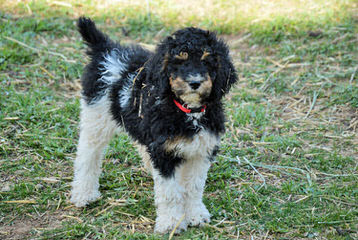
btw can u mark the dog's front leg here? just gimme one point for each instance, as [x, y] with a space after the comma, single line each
[169, 200]
[193, 176]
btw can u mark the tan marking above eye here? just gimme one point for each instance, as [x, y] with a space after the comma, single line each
[205, 54]
[182, 56]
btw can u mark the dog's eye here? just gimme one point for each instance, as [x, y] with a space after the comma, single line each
[182, 56]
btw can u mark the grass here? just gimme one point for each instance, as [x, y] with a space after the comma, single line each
[287, 167]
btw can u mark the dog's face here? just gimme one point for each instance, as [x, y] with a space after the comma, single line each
[191, 75]
[192, 65]
[196, 66]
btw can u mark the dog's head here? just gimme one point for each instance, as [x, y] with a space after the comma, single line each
[194, 66]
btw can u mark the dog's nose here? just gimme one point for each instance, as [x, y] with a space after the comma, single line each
[194, 84]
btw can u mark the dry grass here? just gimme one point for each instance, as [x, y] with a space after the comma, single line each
[288, 162]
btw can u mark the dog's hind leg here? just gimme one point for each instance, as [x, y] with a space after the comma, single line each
[96, 129]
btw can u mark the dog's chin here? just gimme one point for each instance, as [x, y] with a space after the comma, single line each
[192, 99]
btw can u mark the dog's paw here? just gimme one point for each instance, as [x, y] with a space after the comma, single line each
[81, 198]
[197, 215]
[166, 225]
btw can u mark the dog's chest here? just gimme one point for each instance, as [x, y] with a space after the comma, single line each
[194, 120]
[201, 145]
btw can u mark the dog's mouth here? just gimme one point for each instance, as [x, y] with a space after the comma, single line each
[193, 100]
[193, 90]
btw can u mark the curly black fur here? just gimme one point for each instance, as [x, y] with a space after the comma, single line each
[150, 116]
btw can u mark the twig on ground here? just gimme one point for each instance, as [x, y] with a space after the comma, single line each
[103, 210]
[22, 44]
[337, 175]
[301, 199]
[73, 217]
[211, 226]
[47, 72]
[240, 40]
[62, 4]
[338, 200]
[276, 63]
[220, 222]
[340, 38]
[270, 167]
[28, 9]
[273, 168]
[21, 201]
[315, 94]
[176, 226]
[48, 179]
[252, 166]
[124, 213]
[343, 221]
[38, 50]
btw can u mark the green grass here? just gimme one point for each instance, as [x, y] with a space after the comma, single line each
[287, 167]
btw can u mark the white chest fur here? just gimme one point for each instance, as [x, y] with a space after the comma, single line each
[200, 146]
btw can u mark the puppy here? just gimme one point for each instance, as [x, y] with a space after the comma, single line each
[169, 101]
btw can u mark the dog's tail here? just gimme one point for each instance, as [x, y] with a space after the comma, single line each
[94, 38]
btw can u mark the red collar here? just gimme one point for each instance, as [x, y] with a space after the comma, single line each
[185, 108]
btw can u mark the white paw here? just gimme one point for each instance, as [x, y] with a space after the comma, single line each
[81, 197]
[167, 224]
[197, 215]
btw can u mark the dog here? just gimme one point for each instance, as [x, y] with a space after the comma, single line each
[169, 102]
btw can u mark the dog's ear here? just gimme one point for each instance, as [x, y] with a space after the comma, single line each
[226, 73]
[157, 70]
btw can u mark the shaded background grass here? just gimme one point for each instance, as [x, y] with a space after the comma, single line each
[287, 168]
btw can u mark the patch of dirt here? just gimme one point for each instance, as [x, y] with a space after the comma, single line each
[26, 226]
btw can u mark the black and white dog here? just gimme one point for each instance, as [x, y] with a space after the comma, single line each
[169, 102]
